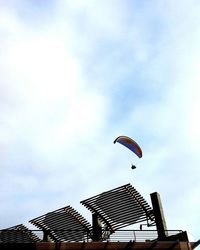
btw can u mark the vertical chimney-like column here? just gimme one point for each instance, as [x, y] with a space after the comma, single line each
[159, 216]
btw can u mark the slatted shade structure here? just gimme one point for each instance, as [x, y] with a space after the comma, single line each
[120, 207]
[18, 234]
[64, 224]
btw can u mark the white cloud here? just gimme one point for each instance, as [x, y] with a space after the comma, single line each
[59, 82]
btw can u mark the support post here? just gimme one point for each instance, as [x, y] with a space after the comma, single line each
[46, 237]
[159, 216]
[96, 227]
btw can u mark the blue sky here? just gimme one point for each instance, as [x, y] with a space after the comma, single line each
[74, 75]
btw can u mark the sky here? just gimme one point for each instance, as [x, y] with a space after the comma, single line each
[74, 75]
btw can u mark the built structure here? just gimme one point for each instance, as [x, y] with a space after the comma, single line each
[113, 214]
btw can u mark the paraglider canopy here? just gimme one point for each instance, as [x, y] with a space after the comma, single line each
[129, 143]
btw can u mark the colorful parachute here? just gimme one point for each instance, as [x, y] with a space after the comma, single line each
[129, 143]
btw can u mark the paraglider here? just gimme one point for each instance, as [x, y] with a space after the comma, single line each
[133, 166]
[130, 144]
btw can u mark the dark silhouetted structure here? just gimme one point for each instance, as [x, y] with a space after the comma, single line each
[113, 212]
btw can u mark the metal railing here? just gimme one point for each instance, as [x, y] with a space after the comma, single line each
[17, 236]
[138, 235]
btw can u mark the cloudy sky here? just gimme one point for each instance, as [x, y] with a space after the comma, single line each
[74, 75]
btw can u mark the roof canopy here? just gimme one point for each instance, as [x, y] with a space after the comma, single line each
[120, 207]
[64, 224]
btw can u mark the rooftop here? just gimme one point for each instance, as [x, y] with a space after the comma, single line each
[113, 212]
